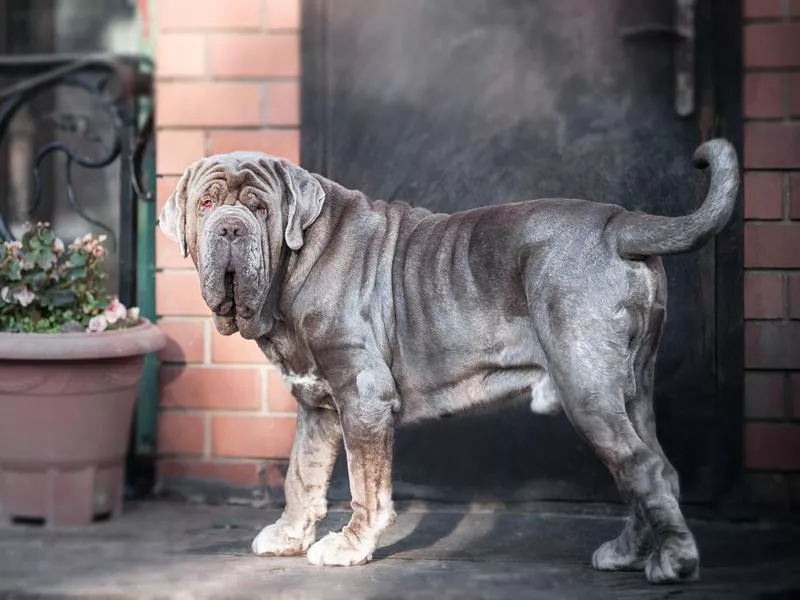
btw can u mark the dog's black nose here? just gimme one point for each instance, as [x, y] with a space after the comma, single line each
[230, 231]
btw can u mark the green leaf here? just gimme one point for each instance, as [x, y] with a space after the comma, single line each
[77, 259]
[76, 273]
[15, 271]
[60, 298]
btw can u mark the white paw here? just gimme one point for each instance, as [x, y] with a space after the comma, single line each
[278, 540]
[336, 549]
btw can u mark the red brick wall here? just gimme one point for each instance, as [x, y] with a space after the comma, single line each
[772, 248]
[227, 79]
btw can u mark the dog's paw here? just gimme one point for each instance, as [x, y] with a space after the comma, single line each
[628, 552]
[674, 560]
[619, 555]
[279, 540]
[337, 550]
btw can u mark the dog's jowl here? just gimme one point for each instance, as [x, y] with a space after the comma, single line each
[380, 314]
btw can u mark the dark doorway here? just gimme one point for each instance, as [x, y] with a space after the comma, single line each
[453, 104]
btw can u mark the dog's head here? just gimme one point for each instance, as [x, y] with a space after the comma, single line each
[233, 213]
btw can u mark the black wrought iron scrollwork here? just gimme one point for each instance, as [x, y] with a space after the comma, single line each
[114, 83]
[74, 157]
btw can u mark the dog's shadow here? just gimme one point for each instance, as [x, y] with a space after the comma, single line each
[431, 528]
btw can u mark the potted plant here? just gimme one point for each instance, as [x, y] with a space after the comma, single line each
[71, 356]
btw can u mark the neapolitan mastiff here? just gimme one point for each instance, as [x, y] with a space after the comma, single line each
[379, 315]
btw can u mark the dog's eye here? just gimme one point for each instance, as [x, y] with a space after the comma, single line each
[261, 211]
[206, 205]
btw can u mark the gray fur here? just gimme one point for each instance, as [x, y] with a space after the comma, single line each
[392, 315]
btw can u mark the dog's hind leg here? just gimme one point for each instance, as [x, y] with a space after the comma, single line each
[591, 376]
[317, 438]
[630, 550]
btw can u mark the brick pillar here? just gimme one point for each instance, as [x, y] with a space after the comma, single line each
[227, 78]
[772, 249]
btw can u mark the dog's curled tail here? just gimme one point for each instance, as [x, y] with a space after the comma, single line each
[638, 235]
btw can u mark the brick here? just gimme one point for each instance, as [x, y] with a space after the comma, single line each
[772, 145]
[180, 433]
[180, 55]
[793, 81]
[252, 437]
[772, 45]
[234, 349]
[764, 395]
[794, 296]
[275, 472]
[794, 196]
[164, 188]
[178, 294]
[763, 95]
[763, 296]
[763, 195]
[794, 391]
[772, 345]
[255, 56]
[185, 341]
[198, 387]
[176, 150]
[279, 398]
[168, 253]
[772, 246]
[208, 15]
[201, 104]
[283, 103]
[283, 14]
[772, 446]
[278, 143]
[762, 9]
[236, 473]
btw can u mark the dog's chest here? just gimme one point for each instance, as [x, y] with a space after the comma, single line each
[308, 388]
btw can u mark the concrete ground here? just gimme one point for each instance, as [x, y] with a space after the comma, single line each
[174, 550]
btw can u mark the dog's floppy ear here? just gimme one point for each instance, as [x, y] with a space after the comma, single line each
[172, 219]
[304, 198]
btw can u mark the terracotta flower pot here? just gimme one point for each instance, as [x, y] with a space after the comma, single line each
[66, 405]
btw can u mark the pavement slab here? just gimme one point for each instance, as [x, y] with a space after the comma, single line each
[159, 549]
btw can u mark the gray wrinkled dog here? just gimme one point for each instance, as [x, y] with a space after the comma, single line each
[379, 314]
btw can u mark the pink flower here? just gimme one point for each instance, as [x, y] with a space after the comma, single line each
[24, 296]
[115, 312]
[13, 248]
[97, 324]
[58, 246]
[133, 314]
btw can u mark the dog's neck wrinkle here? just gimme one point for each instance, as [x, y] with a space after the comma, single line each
[301, 263]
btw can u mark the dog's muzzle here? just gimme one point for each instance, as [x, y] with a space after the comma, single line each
[232, 269]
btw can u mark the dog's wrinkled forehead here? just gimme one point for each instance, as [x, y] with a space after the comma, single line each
[238, 170]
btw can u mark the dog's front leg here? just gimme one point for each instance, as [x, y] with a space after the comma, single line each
[316, 443]
[367, 417]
